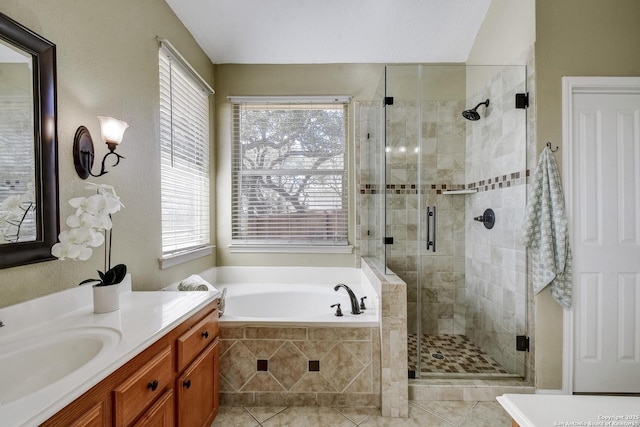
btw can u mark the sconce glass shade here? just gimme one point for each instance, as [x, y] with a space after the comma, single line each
[112, 130]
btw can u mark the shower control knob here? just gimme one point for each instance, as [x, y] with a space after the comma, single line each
[488, 218]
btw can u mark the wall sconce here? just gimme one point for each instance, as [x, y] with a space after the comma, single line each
[112, 131]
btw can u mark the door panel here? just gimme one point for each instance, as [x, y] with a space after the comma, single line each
[606, 230]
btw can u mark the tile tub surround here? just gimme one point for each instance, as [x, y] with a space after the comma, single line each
[282, 366]
[142, 319]
[393, 341]
[358, 366]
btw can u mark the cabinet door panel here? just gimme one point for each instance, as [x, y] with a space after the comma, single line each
[196, 390]
[93, 418]
[160, 414]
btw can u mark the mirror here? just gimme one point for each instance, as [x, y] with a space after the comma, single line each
[29, 217]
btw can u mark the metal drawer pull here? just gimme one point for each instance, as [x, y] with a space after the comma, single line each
[205, 334]
[186, 384]
[153, 385]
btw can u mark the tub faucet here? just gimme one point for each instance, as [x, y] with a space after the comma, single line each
[355, 309]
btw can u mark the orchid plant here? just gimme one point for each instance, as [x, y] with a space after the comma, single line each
[13, 212]
[90, 227]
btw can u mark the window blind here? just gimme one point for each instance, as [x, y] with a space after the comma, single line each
[184, 148]
[289, 171]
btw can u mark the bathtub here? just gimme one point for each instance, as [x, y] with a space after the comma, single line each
[299, 304]
[282, 345]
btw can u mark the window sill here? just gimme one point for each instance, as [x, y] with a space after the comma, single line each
[168, 261]
[289, 249]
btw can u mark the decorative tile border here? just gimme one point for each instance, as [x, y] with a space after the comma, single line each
[495, 183]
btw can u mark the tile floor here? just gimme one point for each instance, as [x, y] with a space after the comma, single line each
[450, 354]
[421, 413]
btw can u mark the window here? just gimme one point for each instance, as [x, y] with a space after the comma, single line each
[289, 174]
[184, 148]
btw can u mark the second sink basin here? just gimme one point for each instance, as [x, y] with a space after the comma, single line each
[30, 364]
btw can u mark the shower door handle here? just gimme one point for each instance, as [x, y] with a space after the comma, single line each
[431, 217]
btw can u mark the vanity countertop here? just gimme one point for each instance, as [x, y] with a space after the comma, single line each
[142, 319]
[544, 410]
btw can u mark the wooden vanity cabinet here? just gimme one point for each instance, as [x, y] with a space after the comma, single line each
[194, 389]
[173, 382]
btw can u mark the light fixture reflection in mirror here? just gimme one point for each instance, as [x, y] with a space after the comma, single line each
[112, 132]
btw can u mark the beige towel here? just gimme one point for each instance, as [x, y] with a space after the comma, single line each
[195, 283]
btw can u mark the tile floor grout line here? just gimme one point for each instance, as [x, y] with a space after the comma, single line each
[266, 419]
[251, 415]
[467, 413]
[355, 424]
[432, 413]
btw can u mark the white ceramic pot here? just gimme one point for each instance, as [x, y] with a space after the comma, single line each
[106, 298]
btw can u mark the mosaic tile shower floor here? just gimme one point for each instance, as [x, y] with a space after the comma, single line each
[450, 354]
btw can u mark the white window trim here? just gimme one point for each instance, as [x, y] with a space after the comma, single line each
[174, 52]
[324, 99]
[295, 247]
[174, 258]
[182, 257]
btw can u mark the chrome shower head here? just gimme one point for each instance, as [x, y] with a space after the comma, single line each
[472, 114]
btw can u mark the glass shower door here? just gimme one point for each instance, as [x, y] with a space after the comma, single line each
[466, 284]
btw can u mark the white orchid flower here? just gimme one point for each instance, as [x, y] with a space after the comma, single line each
[84, 220]
[103, 222]
[11, 203]
[101, 188]
[75, 236]
[112, 204]
[5, 216]
[30, 195]
[96, 238]
[91, 219]
[68, 250]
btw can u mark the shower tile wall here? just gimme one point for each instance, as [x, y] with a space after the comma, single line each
[495, 259]
[442, 152]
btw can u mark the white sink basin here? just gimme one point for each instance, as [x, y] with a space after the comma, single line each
[29, 364]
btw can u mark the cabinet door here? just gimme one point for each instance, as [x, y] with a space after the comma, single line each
[83, 412]
[160, 414]
[197, 390]
[92, 418]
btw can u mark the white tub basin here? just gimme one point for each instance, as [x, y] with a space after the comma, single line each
[29, 364]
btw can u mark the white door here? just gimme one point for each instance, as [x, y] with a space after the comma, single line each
[604, 164]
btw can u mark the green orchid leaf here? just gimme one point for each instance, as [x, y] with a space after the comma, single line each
[120, 271]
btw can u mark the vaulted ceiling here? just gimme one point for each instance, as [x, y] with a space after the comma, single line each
[333, 31]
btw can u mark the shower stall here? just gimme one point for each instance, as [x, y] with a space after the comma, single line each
[442, 155]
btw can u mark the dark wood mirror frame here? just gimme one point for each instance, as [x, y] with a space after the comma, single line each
[45, 145]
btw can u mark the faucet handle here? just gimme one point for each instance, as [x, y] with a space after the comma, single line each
[338, 310]
[362, 306]
[1, 324]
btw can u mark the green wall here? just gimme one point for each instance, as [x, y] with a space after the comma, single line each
[574, 38]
